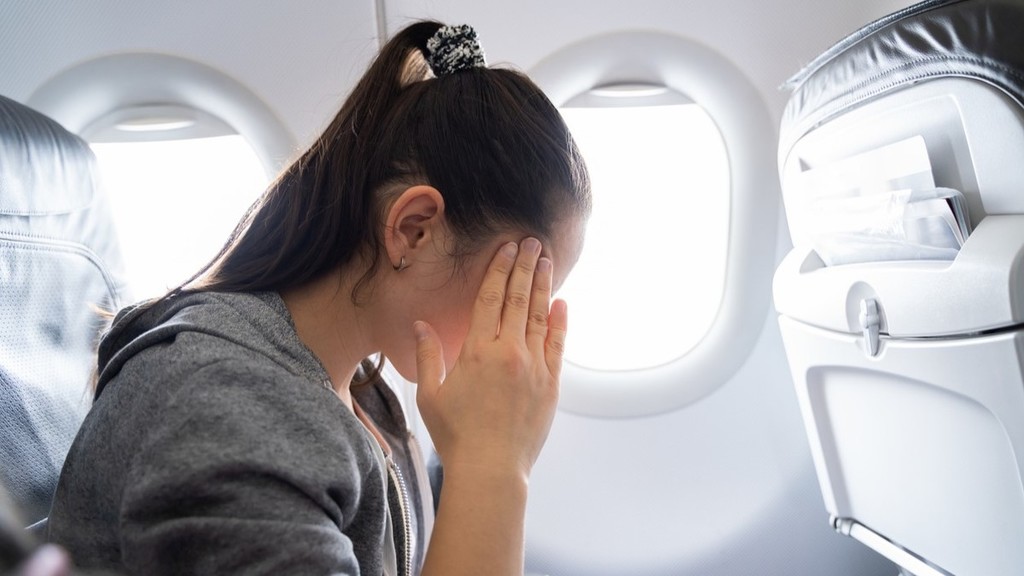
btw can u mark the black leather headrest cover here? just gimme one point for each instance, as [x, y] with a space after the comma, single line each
[980, 39]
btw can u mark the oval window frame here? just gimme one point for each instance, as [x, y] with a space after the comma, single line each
[732, 101]
[80, 96]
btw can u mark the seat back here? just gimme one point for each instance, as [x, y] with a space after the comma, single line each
[902, 302]
[59, 269]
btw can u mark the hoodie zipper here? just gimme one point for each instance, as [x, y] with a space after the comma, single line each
[395, 472]
[396, 478]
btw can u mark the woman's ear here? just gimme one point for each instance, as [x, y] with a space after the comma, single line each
[412, 219]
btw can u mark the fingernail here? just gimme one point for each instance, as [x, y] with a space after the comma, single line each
[510, 249]
[544, 265]
[419, 328]
[531, 245]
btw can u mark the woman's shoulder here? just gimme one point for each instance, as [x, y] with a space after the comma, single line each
[233, 397]
[195, 329]
[227, 369]
[239, 409]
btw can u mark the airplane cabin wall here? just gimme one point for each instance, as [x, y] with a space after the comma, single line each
[299, 58]
[722, 487]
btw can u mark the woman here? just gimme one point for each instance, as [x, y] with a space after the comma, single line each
[237, 427]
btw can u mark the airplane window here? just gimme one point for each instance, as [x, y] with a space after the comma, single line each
[178, 181]
[184, 150]
[649, 282]
[671, 292]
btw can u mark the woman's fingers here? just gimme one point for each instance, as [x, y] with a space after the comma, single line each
[496, 405]
[554, 346]
[486, 316]
[540, 302]
[505, 300]
[519, 293]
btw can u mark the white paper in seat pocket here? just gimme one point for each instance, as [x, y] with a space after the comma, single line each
[927, 224]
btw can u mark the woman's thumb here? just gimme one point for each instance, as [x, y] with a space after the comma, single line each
[429, 357]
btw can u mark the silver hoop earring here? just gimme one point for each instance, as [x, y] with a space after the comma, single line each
[401, 265]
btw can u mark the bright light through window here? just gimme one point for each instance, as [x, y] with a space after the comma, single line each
[176, 202]
[649, 282]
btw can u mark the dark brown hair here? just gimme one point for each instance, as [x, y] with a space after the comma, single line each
[488, 139]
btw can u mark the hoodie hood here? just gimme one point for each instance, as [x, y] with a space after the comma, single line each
[259, 322]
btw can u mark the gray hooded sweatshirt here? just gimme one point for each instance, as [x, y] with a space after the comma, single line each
[216, 446]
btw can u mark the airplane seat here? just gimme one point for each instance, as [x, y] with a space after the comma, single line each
[60, 267]
[901, 303]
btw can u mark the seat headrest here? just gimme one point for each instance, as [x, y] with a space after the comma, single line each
[39, 154]
[936, 38]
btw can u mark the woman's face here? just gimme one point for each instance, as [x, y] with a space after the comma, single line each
[442, 291]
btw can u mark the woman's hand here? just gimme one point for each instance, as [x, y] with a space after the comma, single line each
[490, 417]
[494, 411]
